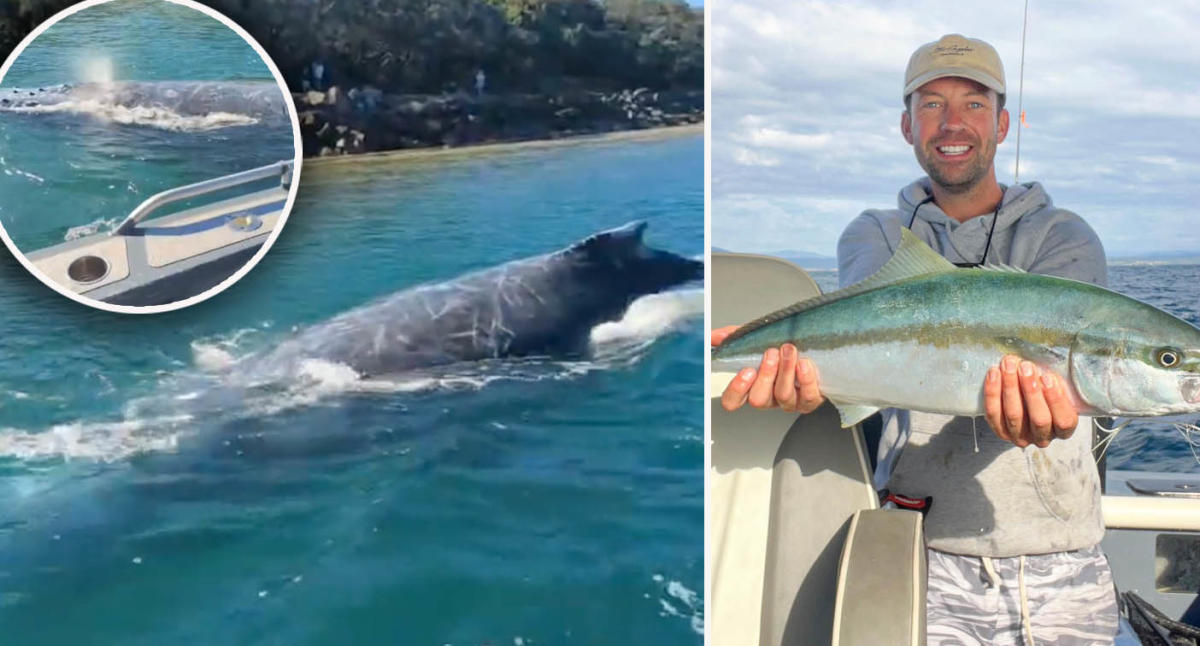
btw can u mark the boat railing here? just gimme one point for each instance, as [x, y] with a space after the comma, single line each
[282, 169]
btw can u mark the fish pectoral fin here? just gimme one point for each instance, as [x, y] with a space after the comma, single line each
[854, 413]
[1040, 354]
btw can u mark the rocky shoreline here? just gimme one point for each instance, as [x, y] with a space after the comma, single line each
[363, 119]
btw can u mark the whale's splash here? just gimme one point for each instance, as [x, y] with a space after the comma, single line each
[182, 106]
[647, 319]
[213, 389]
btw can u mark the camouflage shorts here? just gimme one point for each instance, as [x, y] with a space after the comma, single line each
[1069, 596]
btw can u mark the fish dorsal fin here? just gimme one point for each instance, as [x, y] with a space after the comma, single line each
[912, 258]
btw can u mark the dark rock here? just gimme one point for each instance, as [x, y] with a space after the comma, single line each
[350, 122]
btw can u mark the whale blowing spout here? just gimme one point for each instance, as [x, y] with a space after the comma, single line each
[540, 306]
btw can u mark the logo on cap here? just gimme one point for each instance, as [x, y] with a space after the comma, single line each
[955, 55]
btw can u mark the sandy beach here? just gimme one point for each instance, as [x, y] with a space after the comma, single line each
[417, 155]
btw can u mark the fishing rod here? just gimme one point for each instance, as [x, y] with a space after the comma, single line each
[1021, 95]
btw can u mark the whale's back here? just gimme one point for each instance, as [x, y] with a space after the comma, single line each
[541, 306]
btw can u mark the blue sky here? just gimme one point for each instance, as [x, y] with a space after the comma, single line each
[806, 114]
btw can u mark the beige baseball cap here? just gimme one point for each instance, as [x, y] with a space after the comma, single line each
[955, 55]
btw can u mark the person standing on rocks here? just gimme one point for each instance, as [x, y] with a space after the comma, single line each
[318, 75]
[480, 80]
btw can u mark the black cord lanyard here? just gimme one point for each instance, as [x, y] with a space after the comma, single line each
[986, 246]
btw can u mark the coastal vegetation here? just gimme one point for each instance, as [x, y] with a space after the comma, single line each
[382, 74]
[432, 46]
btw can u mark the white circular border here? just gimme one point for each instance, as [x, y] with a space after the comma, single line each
[287, 207]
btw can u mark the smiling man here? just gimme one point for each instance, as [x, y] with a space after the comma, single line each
[1015, 526]
[1014, 529]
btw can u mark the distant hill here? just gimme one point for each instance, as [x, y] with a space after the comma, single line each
[1164, 258]
[816, 261]
[803, 259]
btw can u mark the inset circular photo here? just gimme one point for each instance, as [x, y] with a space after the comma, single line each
[149, 153]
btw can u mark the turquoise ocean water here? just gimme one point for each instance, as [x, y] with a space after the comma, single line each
[551, 502]
[71, 172]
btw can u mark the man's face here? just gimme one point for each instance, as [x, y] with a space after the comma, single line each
[954, 125]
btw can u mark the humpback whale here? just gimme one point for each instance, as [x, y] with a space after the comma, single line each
[540, 306]
[257, 101]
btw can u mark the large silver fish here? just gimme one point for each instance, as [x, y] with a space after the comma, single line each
[921, 334]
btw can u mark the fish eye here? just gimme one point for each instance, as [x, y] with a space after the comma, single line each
[1167, 357]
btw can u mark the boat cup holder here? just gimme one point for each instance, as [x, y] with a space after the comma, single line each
[245, 222]
[87, 269]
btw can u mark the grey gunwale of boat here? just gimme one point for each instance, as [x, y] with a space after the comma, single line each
[196, 248]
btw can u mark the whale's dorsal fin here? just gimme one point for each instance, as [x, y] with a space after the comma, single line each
[628, 236]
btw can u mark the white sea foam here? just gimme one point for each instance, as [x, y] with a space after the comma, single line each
[328, 376]
[99, 441]
[650, 317]
[91, 228]
[314, 381]
[216, 389]
[680, 601]
[142, 115]
[219, 353]
[623, 342]
[13, 171]
[211, 358]
[20, 173]
[681, 592]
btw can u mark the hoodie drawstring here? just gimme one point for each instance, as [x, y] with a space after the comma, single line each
[989, 568]
[1026, 623]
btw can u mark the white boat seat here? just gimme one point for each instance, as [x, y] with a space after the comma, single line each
[881, 583]
[782, 488]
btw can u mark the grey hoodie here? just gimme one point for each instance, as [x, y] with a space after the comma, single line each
[994, 500]
[1031, 234]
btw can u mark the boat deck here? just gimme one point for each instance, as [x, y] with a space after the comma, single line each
[171, 257]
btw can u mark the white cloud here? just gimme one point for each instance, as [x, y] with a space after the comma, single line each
[806, 105]
[1160, 160]
[762, 223]
[751, 158]
[775, 138]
